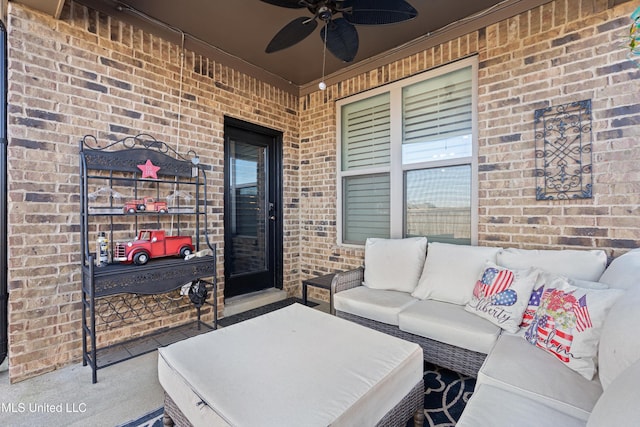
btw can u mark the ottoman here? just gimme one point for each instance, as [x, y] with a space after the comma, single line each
[292, 367]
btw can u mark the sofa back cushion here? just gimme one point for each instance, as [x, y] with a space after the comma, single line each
[451, 271]
[624, 271]
[584, 265]
[394, 264]
[619, 345]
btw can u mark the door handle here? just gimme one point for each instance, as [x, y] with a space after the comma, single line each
[272, 217]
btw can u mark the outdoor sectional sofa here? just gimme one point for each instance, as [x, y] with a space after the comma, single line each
[551, 335]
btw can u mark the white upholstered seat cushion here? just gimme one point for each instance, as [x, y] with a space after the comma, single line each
[375, 304]
[450, 324]
[518, 367]
[492, 406]
[294, 366]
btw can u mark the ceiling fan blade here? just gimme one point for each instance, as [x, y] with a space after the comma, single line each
[291, 4]
[378, 12]
[292, 33]
[341, 38]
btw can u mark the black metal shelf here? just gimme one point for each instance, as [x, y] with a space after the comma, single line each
[157, 276]
[112, 171]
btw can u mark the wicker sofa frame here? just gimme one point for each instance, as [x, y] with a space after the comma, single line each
[445, 355]
[412, 405]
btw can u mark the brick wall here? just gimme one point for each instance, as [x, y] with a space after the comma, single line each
[89, 74]
[564, 51]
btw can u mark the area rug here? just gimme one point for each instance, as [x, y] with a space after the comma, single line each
[445, 395]
[152, 419]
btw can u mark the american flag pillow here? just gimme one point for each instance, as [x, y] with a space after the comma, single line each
[500, 295]
[567, 323]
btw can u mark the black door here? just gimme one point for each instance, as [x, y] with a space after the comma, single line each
[252, 224]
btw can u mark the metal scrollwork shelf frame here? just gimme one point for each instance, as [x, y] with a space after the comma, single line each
[563, 140]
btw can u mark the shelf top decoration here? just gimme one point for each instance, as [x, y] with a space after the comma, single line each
[149, 170]
[141, 154]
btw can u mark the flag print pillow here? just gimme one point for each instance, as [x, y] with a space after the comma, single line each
[501, 295]
[568, 321]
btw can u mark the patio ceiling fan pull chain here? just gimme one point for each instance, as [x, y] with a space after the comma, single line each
[322, 85]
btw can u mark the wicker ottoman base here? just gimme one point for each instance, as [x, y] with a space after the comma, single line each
[412, 405]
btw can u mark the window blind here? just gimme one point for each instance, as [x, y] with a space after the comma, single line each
[366, 134]
[366, 207]
[438, 108]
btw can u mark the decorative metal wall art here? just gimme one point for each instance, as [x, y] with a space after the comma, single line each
[563, 151]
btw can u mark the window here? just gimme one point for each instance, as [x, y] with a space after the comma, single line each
[407, 158]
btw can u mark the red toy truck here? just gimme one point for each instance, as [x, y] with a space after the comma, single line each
[152, 244]
[145, 204]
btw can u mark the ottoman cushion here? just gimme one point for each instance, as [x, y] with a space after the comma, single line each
[293, 366]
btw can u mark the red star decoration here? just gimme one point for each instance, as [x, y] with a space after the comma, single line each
[149, 170]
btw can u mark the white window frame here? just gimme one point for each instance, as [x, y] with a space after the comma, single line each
[396, 169]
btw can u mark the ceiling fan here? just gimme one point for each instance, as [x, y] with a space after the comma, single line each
[339, 33]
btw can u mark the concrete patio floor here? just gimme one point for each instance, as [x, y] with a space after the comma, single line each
[66, 397]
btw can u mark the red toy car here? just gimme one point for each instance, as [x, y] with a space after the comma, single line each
[146, 204]
[152, 244]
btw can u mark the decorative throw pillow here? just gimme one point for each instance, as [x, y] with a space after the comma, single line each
[545, 278]
[568, 322]
[501, 295]
[394, 264]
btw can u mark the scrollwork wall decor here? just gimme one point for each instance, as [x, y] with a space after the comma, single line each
[563, 151]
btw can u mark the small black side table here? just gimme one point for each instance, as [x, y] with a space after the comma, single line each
[323, 282]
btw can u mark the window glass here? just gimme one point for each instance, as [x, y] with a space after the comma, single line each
[438, 204]
[407, 158]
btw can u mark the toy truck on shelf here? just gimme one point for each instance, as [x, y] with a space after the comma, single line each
[145, 204]
[152, 244]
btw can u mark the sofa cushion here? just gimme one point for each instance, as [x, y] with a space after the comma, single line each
[585, 265]
[375, 304]
[616, 350]
[394, 264]
[451, 271]
[618, 405]
[568, 322]
[624, 271]
[450, 324]
[516, 367]
[501, 295]
[492, 406]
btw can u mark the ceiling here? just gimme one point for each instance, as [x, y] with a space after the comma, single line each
[239, 30]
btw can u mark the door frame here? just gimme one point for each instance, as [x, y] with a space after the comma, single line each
[276, 246]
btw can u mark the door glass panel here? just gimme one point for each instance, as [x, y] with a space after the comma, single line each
[248, 207]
